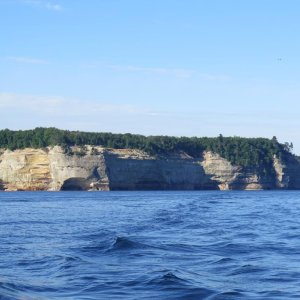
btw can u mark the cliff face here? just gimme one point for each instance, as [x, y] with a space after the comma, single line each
[111, 169]
[25, 170]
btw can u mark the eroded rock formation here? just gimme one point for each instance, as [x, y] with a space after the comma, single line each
[112, 169]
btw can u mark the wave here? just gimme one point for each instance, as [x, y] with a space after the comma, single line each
[125, 244]
[6, 297]
[247, 269]
[178, 286]
[169, 278]
[13, 290]
[231, 248]
[224, 260]
[110, 244]
[231, 295]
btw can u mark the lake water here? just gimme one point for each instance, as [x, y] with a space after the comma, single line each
[145, 245]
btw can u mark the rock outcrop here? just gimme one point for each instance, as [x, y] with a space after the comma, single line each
[97, 168]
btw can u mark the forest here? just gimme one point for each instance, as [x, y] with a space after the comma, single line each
[246, 152]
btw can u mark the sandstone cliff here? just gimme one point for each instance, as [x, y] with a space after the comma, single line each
[100, 168]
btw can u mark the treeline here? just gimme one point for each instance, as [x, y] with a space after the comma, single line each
[247, 152]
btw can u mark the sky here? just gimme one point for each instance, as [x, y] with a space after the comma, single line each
[153, 67]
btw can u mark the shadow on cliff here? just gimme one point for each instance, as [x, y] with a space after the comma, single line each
[159, 173]
[292, 171]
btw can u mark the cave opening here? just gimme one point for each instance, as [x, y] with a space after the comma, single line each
[75, 184]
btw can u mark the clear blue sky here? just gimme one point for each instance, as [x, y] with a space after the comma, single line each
[176, 67]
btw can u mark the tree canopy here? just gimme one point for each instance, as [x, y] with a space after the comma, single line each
[246, 152]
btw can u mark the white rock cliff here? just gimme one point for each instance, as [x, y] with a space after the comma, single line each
[97, 168]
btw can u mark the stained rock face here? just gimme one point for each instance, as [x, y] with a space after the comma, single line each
[25, 170]
[115, 169]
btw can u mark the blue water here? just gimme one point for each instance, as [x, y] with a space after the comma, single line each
[146, 245]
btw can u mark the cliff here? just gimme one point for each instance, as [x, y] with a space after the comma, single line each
[98, 168]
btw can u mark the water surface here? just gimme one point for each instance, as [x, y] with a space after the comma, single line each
[141, 245]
